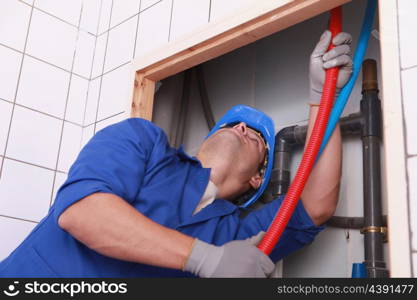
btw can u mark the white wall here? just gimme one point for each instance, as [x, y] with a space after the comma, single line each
[408, 49]
[46, 50]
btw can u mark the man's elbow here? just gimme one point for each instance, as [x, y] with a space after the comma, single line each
[322, 215]
[67, 220]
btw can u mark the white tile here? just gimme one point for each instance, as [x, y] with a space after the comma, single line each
[409, 87]
[121, 44]
[187, 16]
[88, 133]
[70, 146]
[34, 137]
[5, 114]
[99, 56]
[12, 233]
[153, 29]
[90, 15]
[14, 22]
[114, 92]
[92, 101]
[9, 72]
[407, 23]
[43, 87]
[76, 100]
[414, 258]
[122, 10]
[28, 1]
[84, 54]
[412, 190]
[69, 11]
[146, 3]
[110, 121]
[222, 9]
[104, 22]
[52, 40]
[59, 180]
[25, 190]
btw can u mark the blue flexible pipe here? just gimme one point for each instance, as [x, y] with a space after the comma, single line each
[343, 97]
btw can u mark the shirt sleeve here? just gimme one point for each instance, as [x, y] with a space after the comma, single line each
[299, 232]
[113, 161]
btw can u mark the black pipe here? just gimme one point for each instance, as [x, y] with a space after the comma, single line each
[288, 138]
[366, 124]
[371, 139]
[350, 222]
[185, 99]
[205, 102]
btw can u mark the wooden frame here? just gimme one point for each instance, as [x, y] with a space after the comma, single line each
[262, 19]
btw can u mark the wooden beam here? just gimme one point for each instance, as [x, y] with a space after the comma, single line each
[203, 46]
[143, 94]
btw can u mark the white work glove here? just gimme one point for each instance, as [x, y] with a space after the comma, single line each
[240, 258]
[321, 60]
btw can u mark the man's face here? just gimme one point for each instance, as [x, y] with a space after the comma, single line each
[241, 148]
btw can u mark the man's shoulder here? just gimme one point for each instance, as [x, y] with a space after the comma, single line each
[133, 126]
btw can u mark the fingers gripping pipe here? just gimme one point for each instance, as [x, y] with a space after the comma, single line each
[281, 219]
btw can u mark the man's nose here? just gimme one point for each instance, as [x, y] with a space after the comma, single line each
[242, 127]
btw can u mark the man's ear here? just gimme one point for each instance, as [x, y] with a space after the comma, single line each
[255, 181]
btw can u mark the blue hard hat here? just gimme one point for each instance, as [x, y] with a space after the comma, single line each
[260, 122]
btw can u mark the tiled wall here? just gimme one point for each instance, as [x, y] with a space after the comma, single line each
[408, 48]
[63, 76]
[46, 51]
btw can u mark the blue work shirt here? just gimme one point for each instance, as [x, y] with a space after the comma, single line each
[133, 160]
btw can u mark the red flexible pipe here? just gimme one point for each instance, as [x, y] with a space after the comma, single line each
[282, 217]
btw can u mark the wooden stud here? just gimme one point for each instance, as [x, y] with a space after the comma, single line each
[143, 94]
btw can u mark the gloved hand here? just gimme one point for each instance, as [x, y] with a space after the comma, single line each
[240, 258]
[321, 60]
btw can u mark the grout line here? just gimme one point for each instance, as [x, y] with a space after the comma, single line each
[11, 48]
[58, 18]
[66, 106]
[107, 30]
[170, 20]
[137, 29]
[102, 69]
[115, 68]
[30, 5]
[411, 155]
[41, 112]
[91, 71]
[408, 68]
[209, 16]
[17, 89]
[29, 163]
[20, 219]
[42, 60]
[140, 11]
[51, 64]
[406, 148]
[122, 22]
[106, 118]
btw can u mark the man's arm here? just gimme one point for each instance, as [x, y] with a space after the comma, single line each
[322, 188]
[109, 225]
[321, 191]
